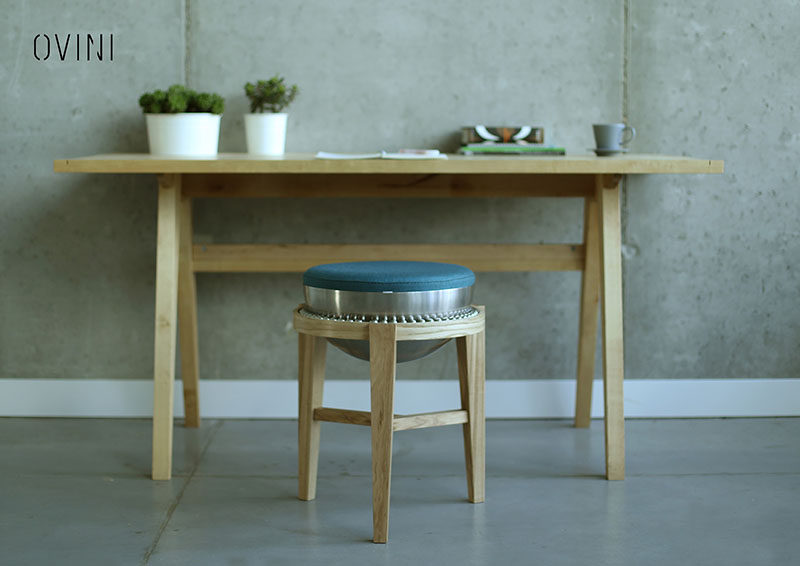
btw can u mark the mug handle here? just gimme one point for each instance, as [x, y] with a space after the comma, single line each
[632, 131]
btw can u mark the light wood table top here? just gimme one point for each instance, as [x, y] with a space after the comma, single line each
[454, 164]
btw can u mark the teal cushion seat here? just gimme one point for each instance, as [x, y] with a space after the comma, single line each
[388, 276]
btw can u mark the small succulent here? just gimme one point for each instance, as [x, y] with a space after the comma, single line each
[178, 98]
[272, 95]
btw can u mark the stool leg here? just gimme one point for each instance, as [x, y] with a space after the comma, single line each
[587, 329]
[311, 376]
[382, 364]
[472, 377]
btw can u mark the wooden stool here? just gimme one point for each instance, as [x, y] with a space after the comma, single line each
[383, 339]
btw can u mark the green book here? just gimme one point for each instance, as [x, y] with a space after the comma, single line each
[510, 149]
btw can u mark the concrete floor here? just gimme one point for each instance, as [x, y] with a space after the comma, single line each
[721, 491]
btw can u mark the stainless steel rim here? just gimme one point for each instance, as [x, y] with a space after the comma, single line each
[334, 302]
[458, 314]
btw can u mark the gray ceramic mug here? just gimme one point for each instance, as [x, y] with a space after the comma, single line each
[612, 136]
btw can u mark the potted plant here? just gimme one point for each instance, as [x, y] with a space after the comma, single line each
[181, 121]
[265, 127]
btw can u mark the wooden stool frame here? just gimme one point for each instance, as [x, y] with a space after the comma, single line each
[383, 337]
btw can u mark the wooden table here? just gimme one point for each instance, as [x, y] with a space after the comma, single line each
[595, 180]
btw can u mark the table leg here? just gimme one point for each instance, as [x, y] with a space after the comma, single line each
[187, 318]
[169, 192]
[608, 197]
[590, 296]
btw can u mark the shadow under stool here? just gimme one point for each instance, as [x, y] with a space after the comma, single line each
[389, 312]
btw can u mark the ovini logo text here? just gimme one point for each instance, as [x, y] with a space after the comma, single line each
[91, 47]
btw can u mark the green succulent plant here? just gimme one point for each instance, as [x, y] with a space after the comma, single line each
[272, 95]
[178, 98]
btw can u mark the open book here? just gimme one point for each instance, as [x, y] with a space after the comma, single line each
[402, 154]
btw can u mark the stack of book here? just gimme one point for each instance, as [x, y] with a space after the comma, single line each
[509, 140]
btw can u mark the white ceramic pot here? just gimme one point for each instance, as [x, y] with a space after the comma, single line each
[188, 133]
[266, 133]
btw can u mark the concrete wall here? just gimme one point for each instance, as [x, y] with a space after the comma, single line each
[711, 276]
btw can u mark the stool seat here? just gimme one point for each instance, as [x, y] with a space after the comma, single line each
[388, 276]
[389, 291]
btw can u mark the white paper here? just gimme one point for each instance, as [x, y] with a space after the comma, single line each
[381, 155]
[410, 155]
[328, 155]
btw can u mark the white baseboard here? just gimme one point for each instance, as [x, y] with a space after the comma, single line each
[665, 398]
